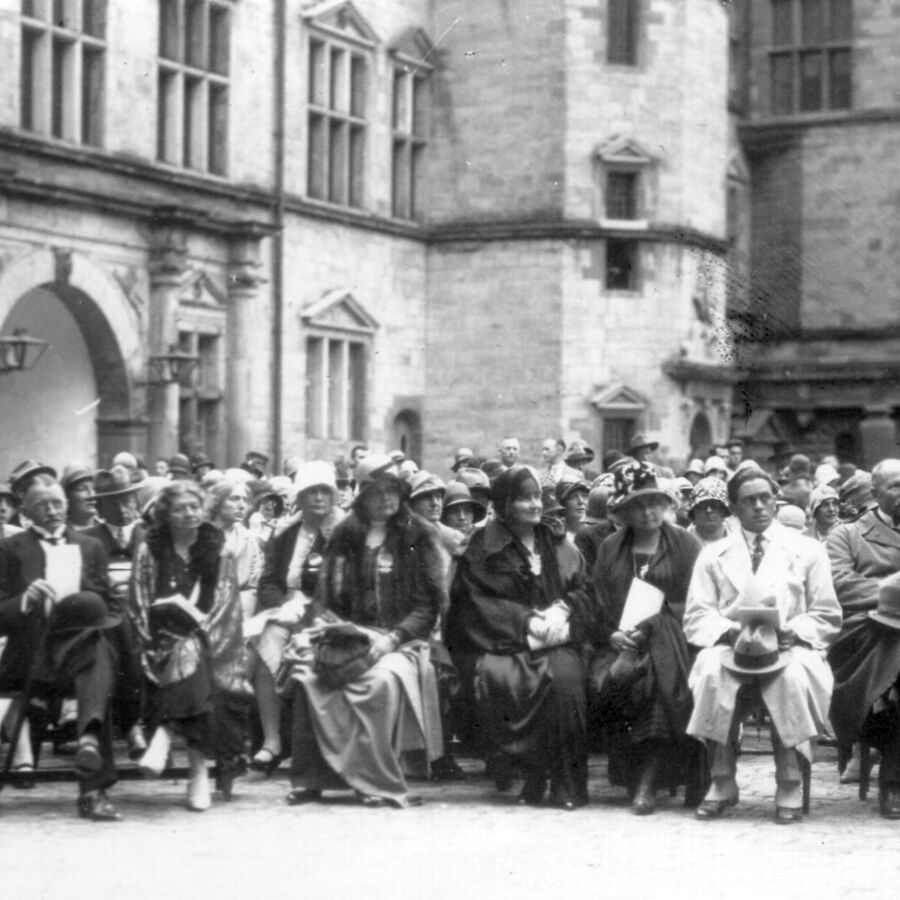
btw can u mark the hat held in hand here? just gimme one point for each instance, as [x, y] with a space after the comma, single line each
[756, 651]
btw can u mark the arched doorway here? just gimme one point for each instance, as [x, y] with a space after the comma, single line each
[407, 434]
[51, 412]
[701, 436]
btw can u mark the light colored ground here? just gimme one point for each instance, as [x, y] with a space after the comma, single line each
[467, 841]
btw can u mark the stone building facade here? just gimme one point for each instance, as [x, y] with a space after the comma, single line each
[400, 222]
[818, 320]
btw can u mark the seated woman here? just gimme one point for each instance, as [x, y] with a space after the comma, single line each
[516, 615]
[286, 588]
[195, 670]
[708, 510]
[645, 715]
[382, 572]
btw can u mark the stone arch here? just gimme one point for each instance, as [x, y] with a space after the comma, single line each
[406, 433]
[107, 321]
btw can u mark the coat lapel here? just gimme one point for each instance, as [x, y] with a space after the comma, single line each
[735, 560]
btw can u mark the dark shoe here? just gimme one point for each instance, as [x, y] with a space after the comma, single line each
[533, 791]
[299, 796]
[24, 777]
[712, 809]
[446, 769]
[266, 761]
[499, 768]
[889, 802]
[644, 803]
[96, 807]
[137, 743]
[226, 772]
[787, 816]
[87, 758]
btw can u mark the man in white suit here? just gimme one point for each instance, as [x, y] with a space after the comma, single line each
[761, 564]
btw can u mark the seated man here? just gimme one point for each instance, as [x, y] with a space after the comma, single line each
[58, 645]
[790, 571]
[866, 701]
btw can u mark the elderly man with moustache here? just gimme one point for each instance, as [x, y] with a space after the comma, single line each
[58, 644]
[508, 451]
[761, 564]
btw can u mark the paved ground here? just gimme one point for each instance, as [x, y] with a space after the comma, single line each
[467, 841]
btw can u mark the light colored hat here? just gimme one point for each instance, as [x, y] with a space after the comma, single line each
[282, 485]
[888, 610]
[756, 652]
[706, 490]
[714, 464]
[316, 473]
[819, 496]
[124, 458]
[458, 494]
[792, 516]
[636, 480]
[827, 475]
[695, 467]
[425, 483]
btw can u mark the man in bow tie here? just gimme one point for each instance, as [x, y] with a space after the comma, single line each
[760, 561]
[58, 645]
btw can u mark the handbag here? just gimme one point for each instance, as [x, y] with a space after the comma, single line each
[341, 654]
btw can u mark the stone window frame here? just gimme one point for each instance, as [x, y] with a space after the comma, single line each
[623, 32]
[340, 56]
[201, 394]
[193, 84]
[793, 45]
[618, 403]
[410, 109]
[62, 87]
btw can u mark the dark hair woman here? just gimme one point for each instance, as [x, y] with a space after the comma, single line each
[516, 615]
[643, 666]
[381, 583]
[194, 661]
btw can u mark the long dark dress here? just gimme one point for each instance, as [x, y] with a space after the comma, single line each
[658, 707]
[528, 705]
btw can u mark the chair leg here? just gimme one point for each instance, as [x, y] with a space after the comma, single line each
[806, 776]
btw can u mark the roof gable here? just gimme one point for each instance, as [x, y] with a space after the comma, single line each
[413, 44]
[619, 397]
[342, 18]
[624, 151]
[339, 309]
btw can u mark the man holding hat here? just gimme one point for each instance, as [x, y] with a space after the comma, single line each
[762, 573]
[76, 653]
[866, 701]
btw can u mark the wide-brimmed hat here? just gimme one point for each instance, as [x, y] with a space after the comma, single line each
[315, 473]
[28, 469]
[458, 494]
[579, 452]
[888, 610]
[755, 651]
[464, 457]
[425, 483]
[639, 442]
[114, 482]
[76, 473]
[708, 490]
[634, 481]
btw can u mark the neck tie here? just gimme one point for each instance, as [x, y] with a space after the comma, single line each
[758, 551]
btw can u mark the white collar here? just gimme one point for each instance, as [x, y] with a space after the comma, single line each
[45, 535]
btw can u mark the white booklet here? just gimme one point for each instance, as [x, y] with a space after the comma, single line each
[643, 601]
[63, 569]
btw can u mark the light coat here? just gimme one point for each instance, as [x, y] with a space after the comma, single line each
[796, 572]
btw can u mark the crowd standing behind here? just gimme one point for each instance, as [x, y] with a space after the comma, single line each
[359, 616]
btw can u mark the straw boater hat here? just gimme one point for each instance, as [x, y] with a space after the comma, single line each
[634, 481]
[888, 609]
[756, 651]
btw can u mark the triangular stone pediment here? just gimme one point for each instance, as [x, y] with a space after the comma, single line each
[343, 17]
[737, 171]
[199, 289]
[415, 45]
[620, 397]
[624, 151]
[339, 309]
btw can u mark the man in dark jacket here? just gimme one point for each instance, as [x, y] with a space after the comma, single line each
[57, 637]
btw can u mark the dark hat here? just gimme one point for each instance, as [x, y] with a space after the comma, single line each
[505, 487]
[610, 458]
[180, 463]
[26, 470]
[781, 450]
[888, 609]
[343, 474]
[579, 452]
[636, 480]
[596, 505]
[620, 463]
[114, 482]
[493, 468]
[198, 460]
[458, 494]
[84, 610]
[256, 456]
[464, 457]
[639, 442]
[756, 651]
[567, 486]
[473, 478]
[549, 501]
[76, 474]
[856, 491]
[7, 491]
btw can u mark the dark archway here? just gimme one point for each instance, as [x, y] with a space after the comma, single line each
[700, 436]
[406, 434]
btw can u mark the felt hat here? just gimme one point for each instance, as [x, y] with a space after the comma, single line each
[819, 496]
[634, 481]
[684, 485]
[695, 467]
[82, 610]
[506, 486]
[425, 483]
[198, 460]
[26, 470]
[493, 468]
[74, 474]
[565, 487]
[579, 452]
[7, 491]
[781, 450]
[124, 458]
[714, 464]
[549, 501]
[707, 490]
[375, 467]
[316, 473]
[180, 464]
[888, 610]
[596, 504]
[464, 457]
[791, 516]
[473, 478]
[458, 494]
[755, 651]
[639, 442]
[114, 482]
[610, 458]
